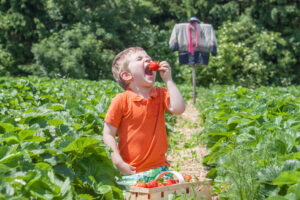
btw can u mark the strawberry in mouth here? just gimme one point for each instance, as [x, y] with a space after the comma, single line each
[154, 65]
[148, 71]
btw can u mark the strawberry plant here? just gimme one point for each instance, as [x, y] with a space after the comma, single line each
[51, 139]
[253, 138]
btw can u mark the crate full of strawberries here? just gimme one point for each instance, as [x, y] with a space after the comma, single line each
[181, 186]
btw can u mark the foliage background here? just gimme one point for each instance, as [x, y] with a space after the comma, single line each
[258, 40]
[258, 45]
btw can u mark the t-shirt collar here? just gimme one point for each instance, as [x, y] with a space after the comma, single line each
[137, 97]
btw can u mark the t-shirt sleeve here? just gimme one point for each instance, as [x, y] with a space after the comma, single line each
[114, 112]
[165, 98]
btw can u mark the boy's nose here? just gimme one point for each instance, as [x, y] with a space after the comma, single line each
[147, 60]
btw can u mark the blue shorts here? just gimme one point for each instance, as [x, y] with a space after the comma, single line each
[145, 176]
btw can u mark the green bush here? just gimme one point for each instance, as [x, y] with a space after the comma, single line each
[79, 38]
[73, 53]
[6, 62]
[249, 55]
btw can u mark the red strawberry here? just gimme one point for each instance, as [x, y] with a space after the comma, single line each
[141, 184]
[152, 184]
[187, 178]
[170, 181]
[160, 184]
[154, 65]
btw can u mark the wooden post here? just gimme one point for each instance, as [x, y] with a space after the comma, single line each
[194, 84]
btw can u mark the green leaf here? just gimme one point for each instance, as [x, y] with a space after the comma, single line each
[11, 159]
[26, 133]
[84, 197]
[64, 170]
[6, 150]
[78, 111]
[227, 134]
[40, 120]
[57, 107]
[66, 190]
[241, 91]
[212, 173]
[245, 122]
[55, 122]
[296, 155]
[7, 127]
[277, 198]
[80, 143]
[234, 120]
[295, 189]
[11, 140]
[287, 140]
[287, 177]
[36, 139]
[270, 126]
[77, 126]
[105, 189]
[245, 138]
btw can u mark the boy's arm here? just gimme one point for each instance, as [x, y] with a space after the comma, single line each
[177, 105]
[109, 138]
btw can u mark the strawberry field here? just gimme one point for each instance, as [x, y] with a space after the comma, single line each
[51, 140]
[253, 137]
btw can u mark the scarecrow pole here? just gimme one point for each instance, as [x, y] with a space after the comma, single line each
[194, 84]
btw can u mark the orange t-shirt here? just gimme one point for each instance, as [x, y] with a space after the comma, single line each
[140, 124]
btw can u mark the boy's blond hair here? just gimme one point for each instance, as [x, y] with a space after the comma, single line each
[120, 64]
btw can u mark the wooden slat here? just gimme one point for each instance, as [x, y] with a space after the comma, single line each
[180, 188]
[168, 187]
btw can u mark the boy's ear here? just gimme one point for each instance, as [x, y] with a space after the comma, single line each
[126, 76]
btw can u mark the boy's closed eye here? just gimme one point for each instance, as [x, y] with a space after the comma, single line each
[139, 58]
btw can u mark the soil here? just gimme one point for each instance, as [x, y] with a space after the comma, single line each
[182, 158]
[185, 159]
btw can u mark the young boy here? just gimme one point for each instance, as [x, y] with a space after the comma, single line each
[138, 116]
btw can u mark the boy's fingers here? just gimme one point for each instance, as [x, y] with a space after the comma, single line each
[133, 171]
[163, 69]
[132, 167]
[163, 62]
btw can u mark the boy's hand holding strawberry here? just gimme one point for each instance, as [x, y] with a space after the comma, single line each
[164, 68]
[154, 65]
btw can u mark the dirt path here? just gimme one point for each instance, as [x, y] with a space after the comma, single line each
[186, 159]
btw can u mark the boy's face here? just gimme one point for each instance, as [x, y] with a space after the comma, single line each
[139, 69]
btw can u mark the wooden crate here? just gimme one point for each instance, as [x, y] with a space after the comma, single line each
[197, 190]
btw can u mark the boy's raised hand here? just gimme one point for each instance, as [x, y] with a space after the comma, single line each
[165, 71]
[126, 169]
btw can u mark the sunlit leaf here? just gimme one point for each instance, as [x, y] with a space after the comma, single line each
[287, 177]
[80, 143]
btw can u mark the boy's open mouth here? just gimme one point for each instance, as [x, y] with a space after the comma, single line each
[148, 71]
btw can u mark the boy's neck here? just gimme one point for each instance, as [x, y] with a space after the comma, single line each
[144, 92]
